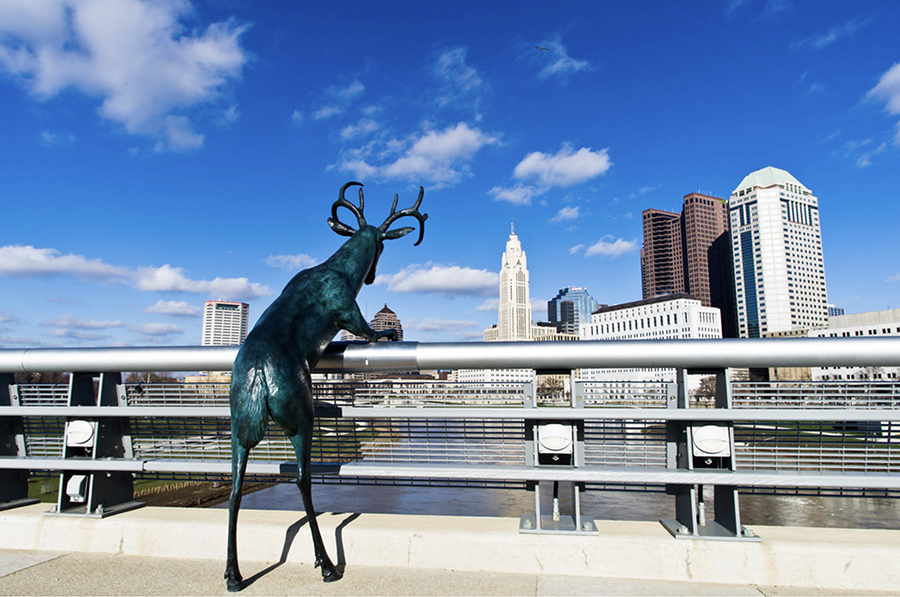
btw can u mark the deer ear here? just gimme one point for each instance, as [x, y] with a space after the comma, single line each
[399, 232]
[341, 228]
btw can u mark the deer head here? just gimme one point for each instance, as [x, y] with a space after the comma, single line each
[370, 234]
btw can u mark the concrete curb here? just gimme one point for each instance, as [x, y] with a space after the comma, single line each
[833, 559]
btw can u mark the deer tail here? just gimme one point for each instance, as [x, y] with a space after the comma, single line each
[249, 414]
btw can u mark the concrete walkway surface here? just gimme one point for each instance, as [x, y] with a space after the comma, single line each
[174, 551]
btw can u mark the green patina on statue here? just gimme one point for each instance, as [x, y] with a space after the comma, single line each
[271, 375]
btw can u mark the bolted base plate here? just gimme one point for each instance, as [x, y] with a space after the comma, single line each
[81, 511]
[712, 531]
[564, 526]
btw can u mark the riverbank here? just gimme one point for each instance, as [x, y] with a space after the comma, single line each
[194, 494]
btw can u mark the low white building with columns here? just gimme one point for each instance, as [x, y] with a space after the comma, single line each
[871, 324]
[667, 317]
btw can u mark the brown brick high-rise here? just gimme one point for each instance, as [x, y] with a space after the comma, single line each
[690, 253]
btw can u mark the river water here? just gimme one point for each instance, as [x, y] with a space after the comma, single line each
[795, 511]
[765, 510]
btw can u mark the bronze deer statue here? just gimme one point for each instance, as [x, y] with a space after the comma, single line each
[271, 375]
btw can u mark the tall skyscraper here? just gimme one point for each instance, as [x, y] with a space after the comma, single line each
[570, 308]
[514, 314]
[779, 270]
[690, 252]
[705, 220]
[662, 256]
[224, 323]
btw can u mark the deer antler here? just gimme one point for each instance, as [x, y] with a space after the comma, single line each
[335, 222]
[396, 215]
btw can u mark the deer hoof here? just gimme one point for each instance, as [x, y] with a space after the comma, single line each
[234, 584]
[330, 574]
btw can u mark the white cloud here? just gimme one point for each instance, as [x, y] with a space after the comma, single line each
[824, 39]
[539, 172]
[888, 90]
[866, 158]
[350, 92]
[29, 342]
[157, 329]
[71, 322]
[291, 262]
[568, 213]
[174, 309]
[643, 191]
[297, 118]
[172, 279]
[441, 280]
[327, 112]
[364, 127]
[133, 55]
[458, 79]
[564, 168]
[609, 246]
[517, 195]
[343, 97]
[229, 115]
[489, 305]
[561, 65]
[29, 262]
[53, 139]
[81, 335]
[435, 157]
[576, 249]
[433, 324]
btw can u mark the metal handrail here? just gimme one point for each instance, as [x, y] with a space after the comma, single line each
[186, 436]
[411, 356]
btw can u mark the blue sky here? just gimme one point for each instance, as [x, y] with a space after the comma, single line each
[157, 154]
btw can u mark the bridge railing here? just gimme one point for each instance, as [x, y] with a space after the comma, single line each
[100, 432]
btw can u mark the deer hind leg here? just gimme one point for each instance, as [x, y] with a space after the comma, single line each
[302, 442]
[239, 456]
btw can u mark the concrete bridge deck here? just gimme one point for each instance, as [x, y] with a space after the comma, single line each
[174, 551]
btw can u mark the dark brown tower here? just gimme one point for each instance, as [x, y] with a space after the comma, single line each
[662, 269]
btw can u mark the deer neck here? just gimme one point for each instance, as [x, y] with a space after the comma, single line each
[358, 257]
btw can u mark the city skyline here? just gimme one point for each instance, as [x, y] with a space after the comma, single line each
[157, 155]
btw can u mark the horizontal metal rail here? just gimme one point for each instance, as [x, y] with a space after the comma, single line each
[590, 474]
[412, 356]
[530, 414]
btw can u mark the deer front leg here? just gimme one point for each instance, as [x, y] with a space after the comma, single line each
[353, 321]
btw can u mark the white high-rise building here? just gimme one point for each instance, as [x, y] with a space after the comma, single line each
[779, 270]
[514, 314]
[224, 323]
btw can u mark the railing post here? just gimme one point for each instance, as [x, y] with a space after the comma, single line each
[688, 447]
[678, 442]
[570, 433]
[95, 493]
[13, 483]
[725, 497]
